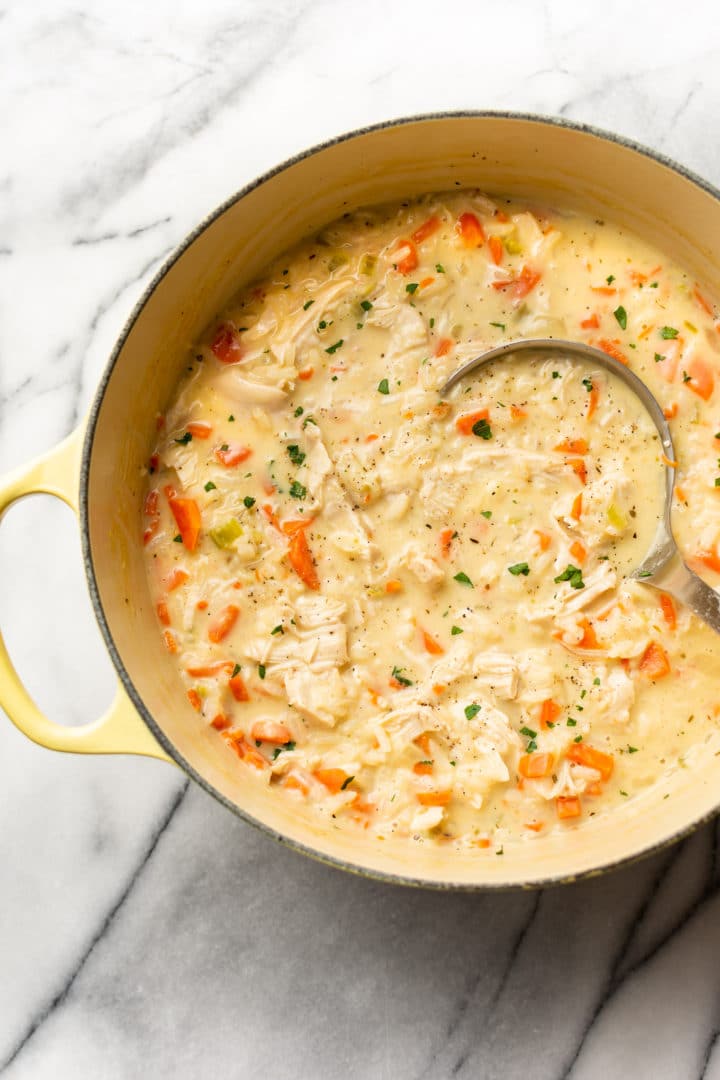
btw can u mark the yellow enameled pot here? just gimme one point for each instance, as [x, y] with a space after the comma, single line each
[98, 469]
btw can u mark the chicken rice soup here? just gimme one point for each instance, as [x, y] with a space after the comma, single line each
[413, 614]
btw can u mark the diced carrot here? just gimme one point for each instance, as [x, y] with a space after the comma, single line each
[238, 689]
[654, 663]
[244, 749]
[579, 467]
[680, 494]
[603, 290]
[671, 411]
[471, 231]
[582, 754]
[154, 463]
[465, 423]
[668, 609]
[667, 367]
[202, 605]
[271, 731]
[573, 446]
[711, 559]
[612, 348]
[444, 346]
[407, 256]
[704, 304]
[521, 285]
[645, 332]
[434, 798]
[593, 400]
[496, 249]
[589, 639]
[306, 373]
[176, 578]
[578, 552]
[207, 671]
[294, 782]
[543, 539]
[502, 216]
[426, 282]
[576, 510]
[162, 613]
[392, 585]
[431, 645]
[199, 429]
[482, 842]
[194, 699]
[701, 381]
[439, 688]
[268, 487]
[159, 422]
[535, 826]
[595, 788]
[224, 624]
[221, 722]
[372, 437]
[426, 229]
[517, 413]
[423, 768]
[549, 712]
[188, 520]
[568, 806]
[333, 779]
[226, 344]
[671, 464]
[271, 515]
[441, 410]
[637, 277]
[591, 323]
[292, 526]
[535, 766]
[423, 741]
[234, 454]
[170, 642]
[446, 539]
[301, 560]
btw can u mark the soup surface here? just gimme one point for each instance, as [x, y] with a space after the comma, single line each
[413, 613]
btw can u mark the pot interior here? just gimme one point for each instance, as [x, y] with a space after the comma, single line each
[503, 155]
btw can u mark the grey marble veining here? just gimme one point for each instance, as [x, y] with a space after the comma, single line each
[145, 931]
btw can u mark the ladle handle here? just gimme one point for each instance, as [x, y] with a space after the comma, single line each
[685, 585]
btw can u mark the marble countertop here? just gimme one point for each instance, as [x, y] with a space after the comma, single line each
[145, 931]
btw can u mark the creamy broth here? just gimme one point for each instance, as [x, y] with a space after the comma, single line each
[414, 613]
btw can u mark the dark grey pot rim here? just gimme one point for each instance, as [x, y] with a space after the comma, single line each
[103, 620]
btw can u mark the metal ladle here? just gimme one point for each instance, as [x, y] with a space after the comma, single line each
[663, 567]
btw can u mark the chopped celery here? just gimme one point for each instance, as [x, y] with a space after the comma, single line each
[616, 517]
[224, 536]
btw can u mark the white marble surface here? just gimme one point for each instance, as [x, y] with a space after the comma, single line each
[144, 930]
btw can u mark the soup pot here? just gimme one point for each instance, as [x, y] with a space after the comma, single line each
[99, 469]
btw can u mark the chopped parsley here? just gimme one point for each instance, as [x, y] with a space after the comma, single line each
[632, 749]
[572, 574]
[500, 325]
[621, 315]
[235, 671]
[348, 780]
[334, 348]
[261, 671]
[658, 357]
[299, 411]
[295, 454]
[686, 377]
[471, 711]
[463, 579]
[297, 490]
[277, 630]
[397, 674]
[596, 682]
[668, 333]
[184, 439]
[286, 746]
[365, 305]
[322, 325]
[571, 722]
[456, 630]
[610, 279]
[383, 387]
[528, 733]
[412, 287]
[578, 738]
[307, 304]
[482, 429]
[210, 486]
[248, 501]
[587, 383]
[531, 747]
[519, 568]
[440, 269]
[556, 374]
[177, 539]
[486, 514]
[431, 323]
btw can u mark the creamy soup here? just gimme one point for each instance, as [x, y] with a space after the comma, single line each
[413, 613]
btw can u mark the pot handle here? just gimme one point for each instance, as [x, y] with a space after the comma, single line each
[120, 730]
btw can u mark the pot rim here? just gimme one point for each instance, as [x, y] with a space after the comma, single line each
[447, 885]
